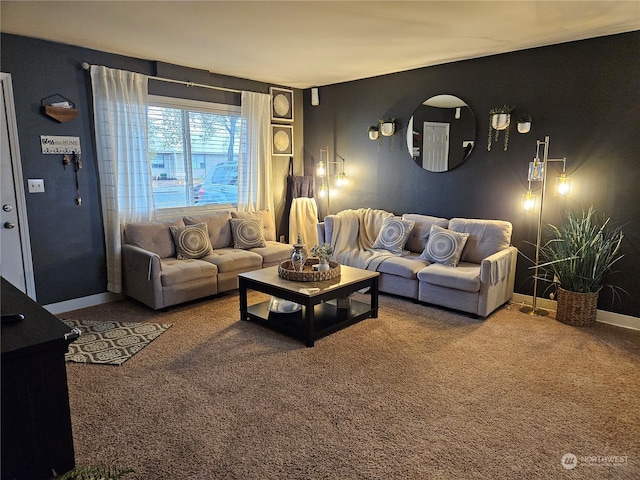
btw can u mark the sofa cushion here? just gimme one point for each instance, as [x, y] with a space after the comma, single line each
[466, 276]
[393, 234]
[421, 228]
[192, 241]
[176, 272]
[153, 236]
[232, 259]
[218, 226]
[407, 266]
[247, 233]
[444, 246]
[267, 219]
[274, 252]
[486, 237]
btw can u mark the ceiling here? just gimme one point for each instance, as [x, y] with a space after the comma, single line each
[302, 44]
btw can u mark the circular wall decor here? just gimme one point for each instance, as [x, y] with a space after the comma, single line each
[281, 104]
[282, 139]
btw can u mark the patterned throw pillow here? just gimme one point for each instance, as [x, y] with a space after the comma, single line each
[192, 241]
[394, 234]
[444, 246]
[247, 233]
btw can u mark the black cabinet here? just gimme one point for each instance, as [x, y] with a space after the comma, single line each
[36, 421]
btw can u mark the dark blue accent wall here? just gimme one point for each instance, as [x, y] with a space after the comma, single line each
[67, 241]
[585, 95]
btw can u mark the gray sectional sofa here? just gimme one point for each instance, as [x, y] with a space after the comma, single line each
[161, 267]
[481, 281]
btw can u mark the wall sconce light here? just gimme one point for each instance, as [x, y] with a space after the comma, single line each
[538, 173]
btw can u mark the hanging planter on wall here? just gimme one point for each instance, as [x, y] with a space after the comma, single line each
[387, 128]
[524, 123]
[373, 132]
[499, 119]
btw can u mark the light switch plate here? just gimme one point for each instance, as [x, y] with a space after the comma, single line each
[36, 185]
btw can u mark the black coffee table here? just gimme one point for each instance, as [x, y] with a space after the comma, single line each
[320, 314]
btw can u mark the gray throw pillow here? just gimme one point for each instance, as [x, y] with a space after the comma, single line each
[394, 234]
[192, 241]
[444, 246]
[247, 233]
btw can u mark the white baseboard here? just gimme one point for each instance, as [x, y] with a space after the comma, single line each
[602, 316]
[83, 302]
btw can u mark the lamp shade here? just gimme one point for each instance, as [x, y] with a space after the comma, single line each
[563, 185]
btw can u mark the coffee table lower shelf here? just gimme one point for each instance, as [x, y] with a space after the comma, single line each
[327, 319]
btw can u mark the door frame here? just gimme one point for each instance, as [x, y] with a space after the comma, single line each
[18, 182]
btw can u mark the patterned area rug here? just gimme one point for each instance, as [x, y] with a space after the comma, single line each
[110, 343]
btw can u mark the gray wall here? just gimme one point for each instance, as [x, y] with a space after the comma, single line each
[67, 241]
[585, 95]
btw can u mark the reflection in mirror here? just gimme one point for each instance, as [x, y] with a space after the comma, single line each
[441, 133]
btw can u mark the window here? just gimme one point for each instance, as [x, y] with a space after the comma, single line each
[193, 149]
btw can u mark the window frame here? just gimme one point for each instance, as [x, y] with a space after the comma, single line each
[194, 106]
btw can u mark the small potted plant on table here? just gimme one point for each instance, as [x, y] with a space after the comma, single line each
[323, 252]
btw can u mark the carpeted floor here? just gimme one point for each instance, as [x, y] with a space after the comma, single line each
[419, 393]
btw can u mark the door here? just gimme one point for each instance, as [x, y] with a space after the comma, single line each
[15, 248]
[435, 157]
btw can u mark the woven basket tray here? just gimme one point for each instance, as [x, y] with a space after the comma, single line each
[286, 271]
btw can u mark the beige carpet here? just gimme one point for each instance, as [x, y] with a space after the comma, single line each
[419, 393]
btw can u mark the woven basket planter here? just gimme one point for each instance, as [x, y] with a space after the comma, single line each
[577, 309]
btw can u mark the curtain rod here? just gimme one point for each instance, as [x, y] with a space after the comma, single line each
[87, 66]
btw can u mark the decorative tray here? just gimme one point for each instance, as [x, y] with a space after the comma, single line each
[308, 274]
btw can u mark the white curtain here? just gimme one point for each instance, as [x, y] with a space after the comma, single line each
[120, 118]
[254, 168]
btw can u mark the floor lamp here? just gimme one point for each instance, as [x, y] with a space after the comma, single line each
[538, 173]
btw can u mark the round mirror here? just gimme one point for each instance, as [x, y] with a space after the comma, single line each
[441, 133]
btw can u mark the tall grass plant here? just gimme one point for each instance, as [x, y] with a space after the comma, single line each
[582, 251]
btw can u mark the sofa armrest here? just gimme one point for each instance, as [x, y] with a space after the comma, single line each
[497, 278]
[140, 260]
[498, 267]
[321, 236]
[141, 275]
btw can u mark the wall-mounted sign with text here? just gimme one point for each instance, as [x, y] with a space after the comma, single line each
[54, 144]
